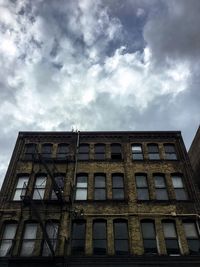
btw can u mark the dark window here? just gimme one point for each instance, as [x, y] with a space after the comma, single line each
[149, 237]
[160, 186]
[47, 151]
[81, 187]
[171, 240]
[21, 188]
[142, 187]
[100, 187]
[137, 153]
[116, 152]
[7, 242]
[121, 237]
[52, 232]
[192, 237]
[153, 152]
[63, 151]
[30, 150]
[99, 150]
[118, 186]
[83, 153]
[178, 185]
[78, 237]
[99, 237]
[39, 187]
[59, 180]
[29, 238]
[170, 152]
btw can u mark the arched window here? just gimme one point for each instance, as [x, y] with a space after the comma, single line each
[179, 187]
[21, 187]
[39, 187]
[116, 151]
[47, 151]
[99, 186]
[170, 152]
[83, 153]
[8, 237]
[99, 151]
[171, 239]
[160, 186]
[29, 239]
[153, 152]
[118, 186]
[62, 151]
[99, 237]
[78, 237]
[149, 236]
[121, 240]
[30, 150]
[137, 153]
[192, 237]
[142, 186]
[52, 232]
[81, 186]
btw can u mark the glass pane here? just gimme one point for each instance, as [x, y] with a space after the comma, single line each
[172, 246]
[159, 181]
[194, 246]
[63, 149]
[161, 194]
[148, 230]
[59, 181]
[170, 149]
[82, 181]
[100, 181]
[171, 156]
[5, 247]
[120, 230]
[78, 246]
[143, 194]
[117, 181]
[40, 182]
[154, 156]
[99, 247]
[118, 193]
[83, 156]
[84, 148]
[137, 148]
[17, 195]
[52, 230]
[141, 181]
[190, 230]
[99, 230]
[150, 246]
[99, 148]
[177, 182]
[138, 156]
[100, 194]
[180, 194]
[153, 149]
[99, 156]
[27, 247]
[38, 193]
[81, 194]
[46, 149]
[9, 231]
[116, 148]
[21, 181]
[169, 230]
[30, 148]
[30, 231]
[78, 231]
[121, 247]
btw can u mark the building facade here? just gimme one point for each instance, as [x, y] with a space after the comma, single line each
[99, 199]
[194, 155]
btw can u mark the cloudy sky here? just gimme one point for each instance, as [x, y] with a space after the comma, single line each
[98, 65]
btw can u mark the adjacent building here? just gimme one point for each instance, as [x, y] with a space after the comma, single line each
[99, 199]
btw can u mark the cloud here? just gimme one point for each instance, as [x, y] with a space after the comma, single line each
[97, 65]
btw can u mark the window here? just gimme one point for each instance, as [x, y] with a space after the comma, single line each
[99, 150]
[39, 187]
[171, 240]
[99, 237]
[153, 152]
[7, 241]
[52, 232]
[62, 151]
[83, 153]
[29, 238]
[160, 187]
[149, 237]
[137, 153]
[99, 187]
[180, 191]
[59, 180]
[142, 187]
[46, 151]
[192, 237]
[81, 187]
[118, 186]
[30, 150]
[116, 152]
[21, 188]
[170, 152]
[121, 237]
[78, 237]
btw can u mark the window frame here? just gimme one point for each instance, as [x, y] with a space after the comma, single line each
[179, 189]
[23, 189]
[62, 155]
[75, 252]
[29, 155]
[96, 188]
[153, 154]
[84, 155]
[136, 153]
[140, 188]
[116, 155]
[98, 238]
[9, 242]
[101, 155]
[168, 154]
[54, 241]
[120, 188]
[147, 250]
[84, 188]
[171, 239]
[37, 189]
[32, 240]
[161, 188]
[46, 153]
[118, 239]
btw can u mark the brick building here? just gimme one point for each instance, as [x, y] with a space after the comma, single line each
[194, 155]
[99, 199]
